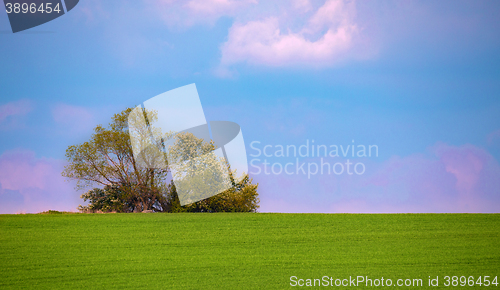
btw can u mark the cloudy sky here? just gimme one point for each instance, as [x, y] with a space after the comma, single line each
[418, 79]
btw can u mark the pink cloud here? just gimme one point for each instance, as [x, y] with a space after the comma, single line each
[333, 13]
[464, 163]
[286, 206]
[76, 118]
[265, 33]
[446, 179]
[11, 113]
[264, 42]
[185, 14]
[216, 8]
[21, 170]
[452, 179]
[31, 184]
[302, 5]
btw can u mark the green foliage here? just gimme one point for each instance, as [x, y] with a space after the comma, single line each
[122, 198]
[129, 185]
[241, 197]
[52, 212]
[197, 170]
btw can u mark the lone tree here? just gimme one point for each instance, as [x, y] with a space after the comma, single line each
[119, 183]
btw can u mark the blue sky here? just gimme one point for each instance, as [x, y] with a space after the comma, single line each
[420, 79]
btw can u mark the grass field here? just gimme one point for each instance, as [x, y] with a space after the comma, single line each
[242, 251]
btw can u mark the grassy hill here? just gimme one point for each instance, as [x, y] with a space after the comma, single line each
[242, 251]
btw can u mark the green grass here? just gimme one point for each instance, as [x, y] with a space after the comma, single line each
[241, 251]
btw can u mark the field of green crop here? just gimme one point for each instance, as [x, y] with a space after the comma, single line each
[243, 251]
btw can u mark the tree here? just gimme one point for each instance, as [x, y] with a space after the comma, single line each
[129, 185]
[241, 197]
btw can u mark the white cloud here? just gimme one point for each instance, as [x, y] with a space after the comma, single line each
[176, 13]
[12, 113]
[75, 118]
[216, 7]
[324, 39]
[303, 5]
[273, 33]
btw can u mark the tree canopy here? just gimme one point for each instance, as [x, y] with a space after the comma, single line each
[120, 183]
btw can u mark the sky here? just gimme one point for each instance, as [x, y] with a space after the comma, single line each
[417, 80]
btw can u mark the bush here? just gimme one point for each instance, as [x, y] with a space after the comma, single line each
[241, 197]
